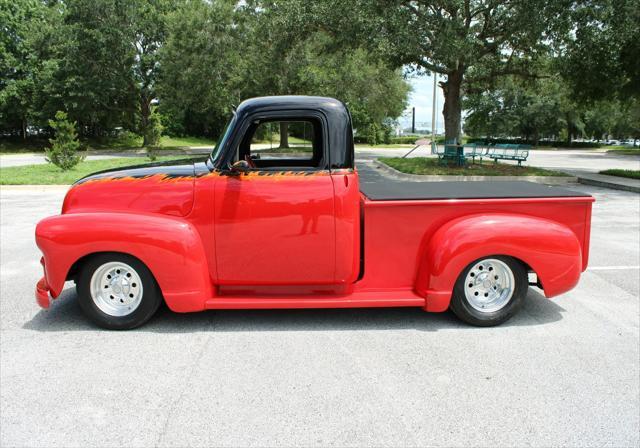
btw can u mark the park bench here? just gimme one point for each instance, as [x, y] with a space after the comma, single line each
[450, 153]
[519, 153]
[473, 150]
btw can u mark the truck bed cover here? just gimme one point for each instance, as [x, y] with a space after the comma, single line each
[382, 188]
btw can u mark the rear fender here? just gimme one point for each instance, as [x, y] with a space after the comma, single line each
[169, 246]
[550, 249]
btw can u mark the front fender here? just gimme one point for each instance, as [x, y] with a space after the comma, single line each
[551, 249]
[169, 246]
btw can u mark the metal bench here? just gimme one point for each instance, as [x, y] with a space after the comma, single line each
[473, 150]
[451, 153]
[519, 153]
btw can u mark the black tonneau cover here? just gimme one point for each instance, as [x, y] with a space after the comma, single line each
[381, 188]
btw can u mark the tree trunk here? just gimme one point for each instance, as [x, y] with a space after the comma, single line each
[145, 112]
[24, 128]
[284, 134]
[452, 109]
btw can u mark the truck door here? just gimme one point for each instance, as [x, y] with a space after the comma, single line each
[274, 219]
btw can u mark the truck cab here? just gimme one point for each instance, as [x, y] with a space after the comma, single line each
[278, 216]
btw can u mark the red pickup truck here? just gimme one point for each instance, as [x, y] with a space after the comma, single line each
[277, 217]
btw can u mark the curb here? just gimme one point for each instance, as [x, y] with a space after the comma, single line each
[607, 184]
[548, 180]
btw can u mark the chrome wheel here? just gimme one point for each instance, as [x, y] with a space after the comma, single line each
[116, 289]
[489, 285]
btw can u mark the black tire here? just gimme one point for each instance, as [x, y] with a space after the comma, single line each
[463, 309]
[151, 295]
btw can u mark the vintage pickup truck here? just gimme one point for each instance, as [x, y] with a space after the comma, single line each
[260, 225]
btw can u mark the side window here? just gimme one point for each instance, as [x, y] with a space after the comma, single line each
[287, 144]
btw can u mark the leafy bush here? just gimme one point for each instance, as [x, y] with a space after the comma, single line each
[152, 133]
[64, 146]
[153, 130]
[405, 140]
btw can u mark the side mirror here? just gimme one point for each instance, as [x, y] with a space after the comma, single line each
[241, 166]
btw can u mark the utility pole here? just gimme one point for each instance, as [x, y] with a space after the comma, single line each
[433, 109]
[413, 120]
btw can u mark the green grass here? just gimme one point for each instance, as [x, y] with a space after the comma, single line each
[48, 174]
[290, 150]
[386, 146]
[631, 174]
[624, 150]
[431, 166]
[125, 141]
[167, 141]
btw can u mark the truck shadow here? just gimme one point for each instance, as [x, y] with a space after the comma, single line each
[65, 315]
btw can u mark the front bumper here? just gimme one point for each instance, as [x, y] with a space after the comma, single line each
[42, 293]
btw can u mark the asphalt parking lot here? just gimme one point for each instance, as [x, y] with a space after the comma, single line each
[563, 372]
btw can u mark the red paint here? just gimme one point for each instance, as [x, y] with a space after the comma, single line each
[274, 229]
[42, 293]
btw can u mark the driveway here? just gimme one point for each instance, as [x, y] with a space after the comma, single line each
[562, 372]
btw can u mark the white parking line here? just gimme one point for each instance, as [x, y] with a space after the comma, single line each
[612, 268]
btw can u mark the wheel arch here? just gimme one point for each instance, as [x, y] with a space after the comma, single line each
[545, 247]
[169, 247]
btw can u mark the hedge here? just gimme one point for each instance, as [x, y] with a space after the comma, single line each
[545, 143]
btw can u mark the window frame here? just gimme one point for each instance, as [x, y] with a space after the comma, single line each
[323, 163]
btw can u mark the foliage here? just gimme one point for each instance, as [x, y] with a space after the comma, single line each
[199, 67]
[64, 146]
[432, 166]
[478, 39]
[405, 140]
[601, 60]
[631, 174]
[153, 133]
[545, 109]
[106, 62]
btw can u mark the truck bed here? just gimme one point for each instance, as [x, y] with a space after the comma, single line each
[377, 187]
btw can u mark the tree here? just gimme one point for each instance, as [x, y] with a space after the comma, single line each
[107, 62]
[64, 146]
[460, 39]
[527, 109]
[19, 21]
[287, 57]
[602, 56]
[200, 67]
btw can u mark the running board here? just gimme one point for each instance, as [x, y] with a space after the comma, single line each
[358, 300]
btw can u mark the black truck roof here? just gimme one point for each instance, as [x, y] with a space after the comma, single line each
[336, 116]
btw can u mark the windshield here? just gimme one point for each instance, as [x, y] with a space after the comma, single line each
[224, 136]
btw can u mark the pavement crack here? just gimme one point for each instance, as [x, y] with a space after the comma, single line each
[185, 385]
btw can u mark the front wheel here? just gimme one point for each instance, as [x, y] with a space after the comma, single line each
[489, 291]
[117, 291]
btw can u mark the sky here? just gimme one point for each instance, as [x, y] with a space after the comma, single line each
[421, 98]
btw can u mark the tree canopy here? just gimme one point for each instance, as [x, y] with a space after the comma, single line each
[530, 67]
[105, 62]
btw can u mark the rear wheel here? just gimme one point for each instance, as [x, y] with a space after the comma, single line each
[489, 291]
[117, 291]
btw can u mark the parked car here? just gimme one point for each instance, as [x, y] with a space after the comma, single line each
[260, 225]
